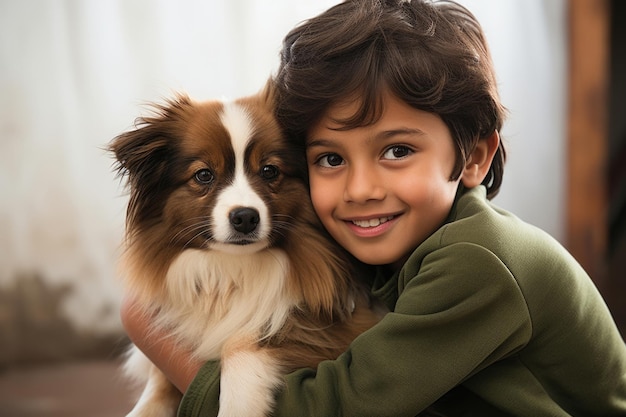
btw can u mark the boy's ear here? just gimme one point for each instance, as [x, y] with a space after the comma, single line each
[479, 161]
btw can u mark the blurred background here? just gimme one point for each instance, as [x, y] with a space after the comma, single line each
[74, 74]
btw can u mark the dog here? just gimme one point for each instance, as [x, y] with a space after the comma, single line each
[224, 249]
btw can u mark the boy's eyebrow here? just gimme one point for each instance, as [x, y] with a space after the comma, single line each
[401, 131]
[319, 142]
[385, 134]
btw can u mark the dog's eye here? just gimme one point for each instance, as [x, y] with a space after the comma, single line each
[269, 172]
[204, 176]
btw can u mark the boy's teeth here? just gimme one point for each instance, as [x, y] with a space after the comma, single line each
[371, 222]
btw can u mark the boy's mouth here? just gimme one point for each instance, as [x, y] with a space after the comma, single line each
[372, 222]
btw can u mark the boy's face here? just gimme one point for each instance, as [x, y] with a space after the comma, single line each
[382, 189]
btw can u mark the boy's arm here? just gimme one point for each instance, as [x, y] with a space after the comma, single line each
[176, 363]
[444, 328]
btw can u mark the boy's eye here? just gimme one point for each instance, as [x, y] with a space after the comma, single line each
[397, 152]
[330, 160]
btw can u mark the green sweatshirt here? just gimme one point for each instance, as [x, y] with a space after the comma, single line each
[489, 317]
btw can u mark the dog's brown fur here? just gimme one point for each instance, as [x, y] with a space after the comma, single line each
[167, 216]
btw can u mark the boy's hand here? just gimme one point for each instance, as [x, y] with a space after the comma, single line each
[174, 361]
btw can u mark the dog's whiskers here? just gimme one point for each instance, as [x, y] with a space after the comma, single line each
[186, 245]
[184, 233]
[284, 224]
[200, 226]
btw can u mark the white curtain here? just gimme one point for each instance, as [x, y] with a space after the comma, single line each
[74, 74]
[528, 40]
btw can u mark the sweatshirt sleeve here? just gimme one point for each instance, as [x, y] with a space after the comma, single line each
[457, 312]
[202, 395]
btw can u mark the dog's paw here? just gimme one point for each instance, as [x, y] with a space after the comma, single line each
[158, 399]
[249, 378]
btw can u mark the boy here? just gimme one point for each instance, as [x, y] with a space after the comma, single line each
[395, 104]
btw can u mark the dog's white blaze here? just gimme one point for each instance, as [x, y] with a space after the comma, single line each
[239, 193]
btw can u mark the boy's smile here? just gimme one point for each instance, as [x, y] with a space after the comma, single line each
[381, 189]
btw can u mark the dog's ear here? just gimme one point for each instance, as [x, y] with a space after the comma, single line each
[269, 93]
[145, 156]
[141, 154]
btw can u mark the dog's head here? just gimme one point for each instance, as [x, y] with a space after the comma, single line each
[211, 175]
[222, 176]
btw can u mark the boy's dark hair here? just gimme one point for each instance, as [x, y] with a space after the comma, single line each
[431, 55]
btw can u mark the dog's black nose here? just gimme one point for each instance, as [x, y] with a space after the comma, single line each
[244, 219]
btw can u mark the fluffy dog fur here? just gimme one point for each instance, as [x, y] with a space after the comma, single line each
[224, 249]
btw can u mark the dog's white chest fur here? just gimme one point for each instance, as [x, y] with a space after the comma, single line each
[216, 296]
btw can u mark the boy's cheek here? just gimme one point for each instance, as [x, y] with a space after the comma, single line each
[322, 199]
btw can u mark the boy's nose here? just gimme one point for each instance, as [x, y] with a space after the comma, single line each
[362, 185]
